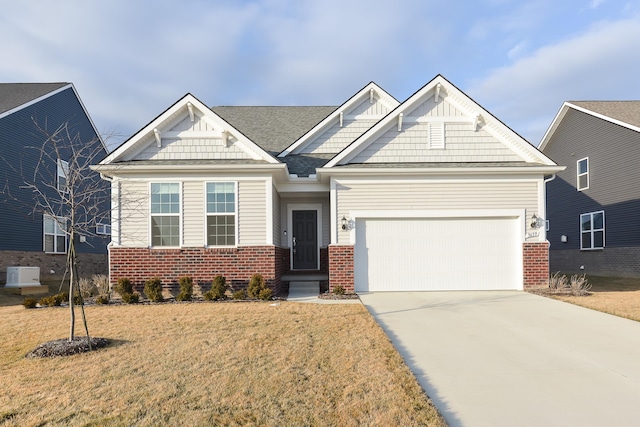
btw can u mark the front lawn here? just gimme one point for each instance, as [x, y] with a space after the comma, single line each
[619, 296]
[245, 363]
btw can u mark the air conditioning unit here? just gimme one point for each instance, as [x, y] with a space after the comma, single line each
[20, 277]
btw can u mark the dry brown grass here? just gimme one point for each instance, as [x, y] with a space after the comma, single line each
[210, 364]
[619, 296]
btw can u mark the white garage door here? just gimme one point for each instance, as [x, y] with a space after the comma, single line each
[437, 254]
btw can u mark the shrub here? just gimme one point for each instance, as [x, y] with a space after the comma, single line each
[102, 299]
[30, 302]
[124, 286]
[153, 289]
[338, 290]
[218, 289]
[579, 285]
[101, 283]
[86, 287]
[186, 289]
[241, 294]
[266, 294]
[256, 285]
[51, 301]
[557, 281]
[131, 298]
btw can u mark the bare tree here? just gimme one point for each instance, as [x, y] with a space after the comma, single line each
[67, 194]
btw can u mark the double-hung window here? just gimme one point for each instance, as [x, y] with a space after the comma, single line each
[592, 230]
[104, 229]
[583, 174]
[62, 174]
[55, 234]
[165, 214]
[221, 213]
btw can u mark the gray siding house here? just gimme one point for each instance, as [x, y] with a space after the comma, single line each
[28, 112]
[593, 205]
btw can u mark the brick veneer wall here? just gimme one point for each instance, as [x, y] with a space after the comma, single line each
[237, 265]
[535, 258]
[341, 267]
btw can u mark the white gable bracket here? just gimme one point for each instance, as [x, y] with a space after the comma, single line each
[371, 93]
[225, 138]
[438, 87]
[477, 119]
[341, 118]
[400, 116]
[191, 114]
[156, 133]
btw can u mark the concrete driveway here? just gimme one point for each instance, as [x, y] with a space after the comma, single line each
[514, 359]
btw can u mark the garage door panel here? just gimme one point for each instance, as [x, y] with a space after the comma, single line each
[437, 254]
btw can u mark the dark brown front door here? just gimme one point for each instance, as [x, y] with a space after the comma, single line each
[305, 240]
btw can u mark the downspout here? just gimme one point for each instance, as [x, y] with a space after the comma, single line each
[544, 198]
[109, 179]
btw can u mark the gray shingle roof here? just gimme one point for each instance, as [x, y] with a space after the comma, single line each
[13, 95]
[624, 111]
[273, 128]
[306, 164]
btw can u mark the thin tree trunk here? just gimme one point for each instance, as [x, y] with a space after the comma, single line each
[72, 278]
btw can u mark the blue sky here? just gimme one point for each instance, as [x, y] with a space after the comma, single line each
[130, 60]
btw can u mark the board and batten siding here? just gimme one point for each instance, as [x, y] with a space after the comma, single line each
[134, 210]
[614, 155]
[434, 195]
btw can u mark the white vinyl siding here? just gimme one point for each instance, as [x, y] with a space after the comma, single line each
[193, 219]
[411, 145]
[434, 195]
[592, 230]
[336, 138]
[252, 221]
[134, 213]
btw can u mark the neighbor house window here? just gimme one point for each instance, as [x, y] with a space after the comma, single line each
[63, 173]
[55, 234]
[592, 230]
[104, 229]
[165, 214]
[583, 174]
[221, 213]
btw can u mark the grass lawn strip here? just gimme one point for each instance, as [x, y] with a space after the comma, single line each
[206, 364]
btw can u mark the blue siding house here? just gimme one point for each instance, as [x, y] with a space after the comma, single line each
[29, 114]
[593, 206]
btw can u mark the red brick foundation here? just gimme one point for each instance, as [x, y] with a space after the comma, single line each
[237, 265]
[535, 258]
[341, 267]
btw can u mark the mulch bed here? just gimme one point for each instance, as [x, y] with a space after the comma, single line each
[335, 296]
[64, 347]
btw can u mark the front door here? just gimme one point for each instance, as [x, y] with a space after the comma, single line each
[305, 240]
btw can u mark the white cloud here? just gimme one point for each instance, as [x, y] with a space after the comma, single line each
[599, 64]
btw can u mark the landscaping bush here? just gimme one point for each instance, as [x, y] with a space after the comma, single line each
[102, 299]
[30, 302]
[153, 289]
[186, 289]
[124, 286]
[87, 289]
[241, 294]
[338, 290]
[130, 298]
[256, 285]
[218, 289]
[265, 294]
[51, 301]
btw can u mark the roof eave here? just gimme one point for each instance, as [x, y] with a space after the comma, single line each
[323, 173]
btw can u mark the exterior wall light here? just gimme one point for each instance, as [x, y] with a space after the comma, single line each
[344, 223]
[536, 222]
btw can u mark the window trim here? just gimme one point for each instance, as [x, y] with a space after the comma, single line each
[179, 214]
[62, 171]
[56, 220]
[593, 230]
[235, 213]
[578, 174]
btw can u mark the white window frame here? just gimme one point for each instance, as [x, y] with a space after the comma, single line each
[165, 214]
[103, 229]
[208, 214]
[586, 174]
[62, 173]
[58, 231]
[592, 231]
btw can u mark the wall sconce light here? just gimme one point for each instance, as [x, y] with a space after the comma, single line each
[344, 222]
[536, 222]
